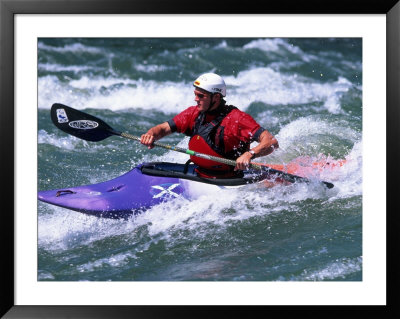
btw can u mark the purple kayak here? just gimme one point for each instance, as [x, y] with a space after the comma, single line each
[143, 187]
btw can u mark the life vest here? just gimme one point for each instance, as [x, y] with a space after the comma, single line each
[208, 138]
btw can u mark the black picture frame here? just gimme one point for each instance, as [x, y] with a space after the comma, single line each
[8, 10]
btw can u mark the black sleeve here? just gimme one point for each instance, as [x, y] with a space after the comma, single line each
[172, 125]
[256, 136]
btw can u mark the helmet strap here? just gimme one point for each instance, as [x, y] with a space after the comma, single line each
[211, 104]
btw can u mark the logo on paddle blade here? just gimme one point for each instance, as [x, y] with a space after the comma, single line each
[83, 124]
[62, 116]
[165, 190]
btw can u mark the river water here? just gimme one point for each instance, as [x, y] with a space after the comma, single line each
[306, 92]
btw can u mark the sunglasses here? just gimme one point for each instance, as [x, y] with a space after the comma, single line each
[199, 95]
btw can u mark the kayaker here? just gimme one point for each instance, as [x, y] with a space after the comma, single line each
[217, 129]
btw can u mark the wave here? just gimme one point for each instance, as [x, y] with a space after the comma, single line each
[339, 269]
[73, 48]
[301, 129]
[256, 85]
[274, 45]
[49, 67]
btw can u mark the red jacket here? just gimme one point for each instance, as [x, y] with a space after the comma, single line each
[239, 129]
[239, 126]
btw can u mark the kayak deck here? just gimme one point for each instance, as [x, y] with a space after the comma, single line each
[182, 171]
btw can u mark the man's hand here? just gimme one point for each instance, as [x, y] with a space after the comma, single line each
[154, 134]
[148, 140]
[243, 162]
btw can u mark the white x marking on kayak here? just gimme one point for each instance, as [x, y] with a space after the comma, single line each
[165, 191]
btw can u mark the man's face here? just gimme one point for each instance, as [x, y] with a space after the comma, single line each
[203, 100]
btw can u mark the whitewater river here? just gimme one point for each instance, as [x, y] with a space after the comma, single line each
[307, 92]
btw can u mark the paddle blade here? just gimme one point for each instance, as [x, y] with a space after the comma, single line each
[80, 124]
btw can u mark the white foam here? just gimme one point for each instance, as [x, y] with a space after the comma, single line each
[303, 127]
[261, 84]
[96, 83]
[65, 229]
[348, 178]
[220, 207]
[151, 68]
[271, 87]
[274, 45]
[74, 48]
[67, 142]
[334, 271]
[118, 260]
[120, 94]
[60, 68]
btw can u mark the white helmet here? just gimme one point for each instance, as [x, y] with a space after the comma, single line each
[211, 82]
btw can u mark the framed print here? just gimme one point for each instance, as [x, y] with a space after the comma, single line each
[81, 81]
